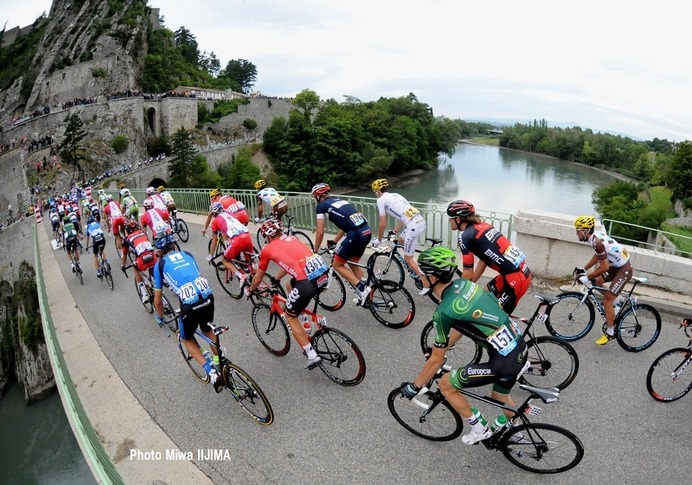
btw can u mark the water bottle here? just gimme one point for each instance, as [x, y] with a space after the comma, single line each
[306, 322]
[499, 424]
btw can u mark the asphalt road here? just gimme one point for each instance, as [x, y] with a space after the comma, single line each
[327, 433]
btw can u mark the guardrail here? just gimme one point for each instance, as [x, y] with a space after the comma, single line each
[302, 207]
[658, 239]
[97, 458]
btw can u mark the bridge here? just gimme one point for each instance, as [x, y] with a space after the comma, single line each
[140, 397]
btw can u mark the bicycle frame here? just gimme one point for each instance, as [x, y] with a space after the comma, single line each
[277, 309]
[629, 301]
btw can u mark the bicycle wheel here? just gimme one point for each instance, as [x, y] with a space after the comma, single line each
[670, 376]
[304, 238]
[80, 275]
[229, 282]
[342, 361]
[638, 328]
[260, 239]
[270, 330]
[196, 368]
[384, 266]
[169, 315]
[107, 274]
[570, 318]
[463, 353]
[554, 363]
[391, 304]
[149, 304]
[247, 393]
[333, 296]
[182, 230]
[438, 422]
[541, 448]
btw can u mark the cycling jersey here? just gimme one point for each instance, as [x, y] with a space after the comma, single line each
[342, 214]
[142, 248]
[94, 231]
[167, 197]
[491, 247]
[130, 207]
[398, 207]
[293, 256]
[70, 232]
[157, 202]
[180, 270]
[608, 248]
[235, 208]
[157, 220]
[270, 196]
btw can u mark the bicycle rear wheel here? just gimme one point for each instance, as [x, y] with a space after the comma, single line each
[270, 330]
[638, 328]
[304, 238]
[385, 267]
[554, 363]
[541, 448]
[196, 368]
[342, 361]
[169, 315]
[391, 304]
[107, 274]
[670, 376]
[182, 230]
[570, 318]
[463, 353]
[439, 422]
[247, 393]
[229, 282]
[80, 275]
[333, 296]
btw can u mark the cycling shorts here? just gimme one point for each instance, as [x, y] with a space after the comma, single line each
[238, 244]
[618, 277]
[500, 371]
[99, 246]
[298, 299]
[145, 261]
[71, 243]
[354, 244]
[509, 288]
[280, 208]
[414, 228]
[198, 314]
[117, 224]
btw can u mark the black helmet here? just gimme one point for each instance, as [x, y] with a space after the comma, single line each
[460, 208]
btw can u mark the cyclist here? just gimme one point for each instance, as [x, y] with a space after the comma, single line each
[613, 266]
[167, 199]
[179, 269]
[271, 197]
[465, 309]
[71, 238]
[156, 199]
[129, 204]
[230, 205]
[73, 217]
[308, 273]
[94, 231]
[351, 224]
[138, 242]
[94, 210]
[493, 249]
[102, 198]
[235, 235]
[155, 219]
[55, 222]
[116, 219]
[407, 217]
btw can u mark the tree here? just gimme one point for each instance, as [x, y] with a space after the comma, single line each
[187, 45]
[307, 100]
[182, 166]
[71, 149]
[240, 173]
[242, 71]
[210, 63]
[680, 171]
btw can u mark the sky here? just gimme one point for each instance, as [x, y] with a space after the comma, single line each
[608, 65]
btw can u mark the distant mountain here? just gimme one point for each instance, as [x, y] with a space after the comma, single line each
[502, 122]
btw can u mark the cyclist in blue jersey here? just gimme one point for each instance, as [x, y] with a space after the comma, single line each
[179, 269]
[94, 231]
[351, 224]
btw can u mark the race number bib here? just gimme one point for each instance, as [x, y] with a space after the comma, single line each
[502, 340]
[410, 212]
[315, 267]
[143, 247]
[357, 219]
[275, 199]
[192, 292]
[514, 255]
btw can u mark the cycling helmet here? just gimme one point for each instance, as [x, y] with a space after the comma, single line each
[130, 225]
[124, 192]
[460, 208]
[148, 204]
[164, 241]
[91, 219]
[150, 190]
[585, 222]
[160, 189]
[320, 189]
[216, 208]
[379, 184]
[109, 197]
[438, 261]
[66, 220]
[214, 193]
[271, 227]
[121, 186]
[261, 183]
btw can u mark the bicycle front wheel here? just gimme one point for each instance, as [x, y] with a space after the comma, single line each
[391, 304]
[638, 328]
[554, 363]
[182, 230]
[247, 394]
[229, 282]
[342, 361]
[670, 376]
[270, 330]
[463, 353]
[434, 420]
[542, 448]
[570, 318]
[260, 238]
[384, 266]
[333, 296]
[304, 238]
[196, 368]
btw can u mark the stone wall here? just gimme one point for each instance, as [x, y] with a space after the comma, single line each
[12, 186]
[262, 110]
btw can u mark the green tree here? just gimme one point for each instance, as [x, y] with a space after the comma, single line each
[307, 101]
[71, 149]
[241, 173]
[242, 72]
[184, 164]
[187, 45]
[680, 172]
[120, 144]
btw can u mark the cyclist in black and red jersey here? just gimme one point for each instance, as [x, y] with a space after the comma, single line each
[494, 250]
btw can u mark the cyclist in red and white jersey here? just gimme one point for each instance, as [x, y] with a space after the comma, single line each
[156, 219]
[156, 199]
[229, 204]
[116, 218]
[235, 235]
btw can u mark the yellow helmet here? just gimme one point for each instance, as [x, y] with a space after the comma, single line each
[260, 184]
[379, 184]
[160, 189]
[585, 222]
[214, 192]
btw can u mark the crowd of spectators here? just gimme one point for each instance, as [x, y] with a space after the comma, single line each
[79, 101]
[129, 93]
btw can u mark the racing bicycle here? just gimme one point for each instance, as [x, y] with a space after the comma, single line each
[104, 268]
[670, 376]
[179, 226]
[288, 231]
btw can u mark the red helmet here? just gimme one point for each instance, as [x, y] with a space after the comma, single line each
[271, 227]
[320, 189]
[460, 208]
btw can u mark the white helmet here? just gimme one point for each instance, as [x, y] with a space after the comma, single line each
[124, 192]
[150, 190]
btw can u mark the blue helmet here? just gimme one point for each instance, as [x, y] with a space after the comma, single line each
[165, 241]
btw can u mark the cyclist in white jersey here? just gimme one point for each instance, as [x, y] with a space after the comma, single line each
[407, 217]
[269, 196]
[613, 265]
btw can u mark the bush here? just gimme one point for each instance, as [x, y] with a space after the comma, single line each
[99, 72]
[120, 144]
[249, 124]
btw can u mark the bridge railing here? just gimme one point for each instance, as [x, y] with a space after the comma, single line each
[658, 240]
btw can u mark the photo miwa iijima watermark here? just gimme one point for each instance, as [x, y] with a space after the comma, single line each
[174, 454]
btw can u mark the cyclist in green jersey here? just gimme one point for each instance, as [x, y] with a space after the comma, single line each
[71, 240]
[467, 309]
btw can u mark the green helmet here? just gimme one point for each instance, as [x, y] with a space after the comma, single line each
[438, 261]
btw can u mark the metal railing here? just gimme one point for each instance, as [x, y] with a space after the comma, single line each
[658, 240]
